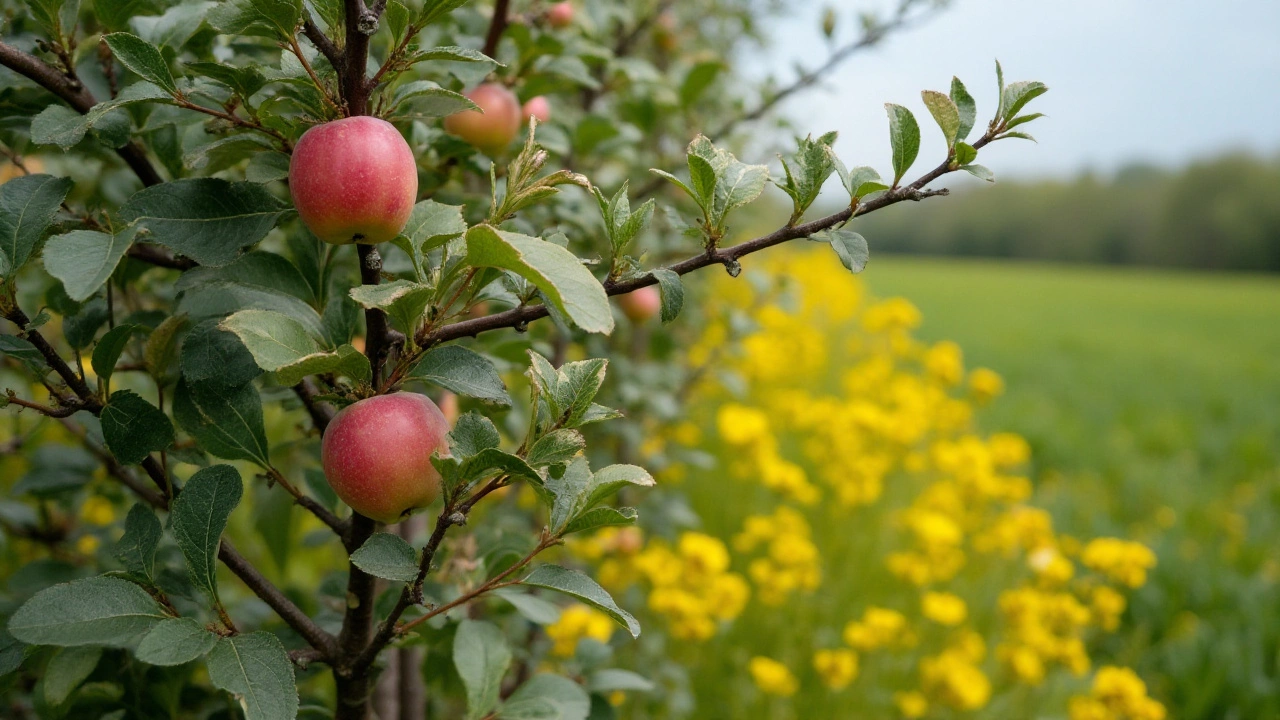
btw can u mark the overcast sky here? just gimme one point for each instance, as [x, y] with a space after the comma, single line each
[1130, 80]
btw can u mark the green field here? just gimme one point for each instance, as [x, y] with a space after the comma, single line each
[1152, 403]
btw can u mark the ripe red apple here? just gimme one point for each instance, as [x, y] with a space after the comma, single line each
[354, 180]
[560, 15]
[492, 130]
[640, 305]
[538, 107]
[377, 454]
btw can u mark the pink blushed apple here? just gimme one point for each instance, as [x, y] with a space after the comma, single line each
[493, 129]
[560, 15]
[377, 452]
[640, 305]
[353, 180]
[537, 107]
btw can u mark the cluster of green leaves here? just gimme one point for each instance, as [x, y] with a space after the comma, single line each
[131, 609]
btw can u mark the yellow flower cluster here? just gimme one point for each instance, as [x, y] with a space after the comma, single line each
[845, 416]
[689, 584]
[1121, 561]
[954, 677]
[748, 429]
[1117, 694]
[577, 622]
[772, 677]
[837, 668]
[879, 628]
[791, 562]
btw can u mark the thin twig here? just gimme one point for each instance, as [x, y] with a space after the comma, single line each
[497, 26]
[74, 93]
[727, 257]
[324, 92]
[337, 524]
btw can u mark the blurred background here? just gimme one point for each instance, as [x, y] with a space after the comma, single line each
[1119, 276]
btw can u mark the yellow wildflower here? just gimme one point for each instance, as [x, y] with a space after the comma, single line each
[577, 622]
[837, 668]
[772, 677]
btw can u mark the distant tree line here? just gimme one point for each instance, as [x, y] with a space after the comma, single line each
[1221, 214]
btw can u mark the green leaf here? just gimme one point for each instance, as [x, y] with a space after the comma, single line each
[850, 247]
[945, 113]
[966, 106]
[904, 137]
[860, 181]
[80, 329]
[27, 207]
[531, 607]
[698, 79]
[56, 17]
[611, 679]
[404, 301]
[433, 10]
[256, 670]
[426, 99]
[1000, 90]
[134, 428]
[198, 517]
[579, 383]
[115, 14]
[267, 166]
[1016, 96]
[1023, 119]
[572, 289]
[980, 172]
[13, 651]
[217, 299]
[346, 360]
[736, 183]
[244, 81]
[601, 517]
[473, 434]
[453, 53]
[175, 641]
[137, 548]
[94, 611]
[556, 448]
[463, 371]
[613, 478]
[108, 350]
[258, 268]
[433, 224]
[175, 27]
[807, 171]
[60, 125]
[84, 259]
[226, 422]
[575, 584]
[397, 17]
[213, 355]
[24, 352]
[142, 58]
[571, 491]
[1019, 135]
[274, 18]
[207, 219]
[547, 697]
[387, 556]
[965, 154]
[678, 183]
[67, 669]
[158, 353]
[274, 339]
[671, 289]
[481, 655]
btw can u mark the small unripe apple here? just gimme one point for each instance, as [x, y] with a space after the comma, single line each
[560, 15]
[640, 305]
[493, 129]
[537, 107]
[377, 454]
[353, 180]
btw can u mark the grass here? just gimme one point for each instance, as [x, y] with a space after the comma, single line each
[1152, 403]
